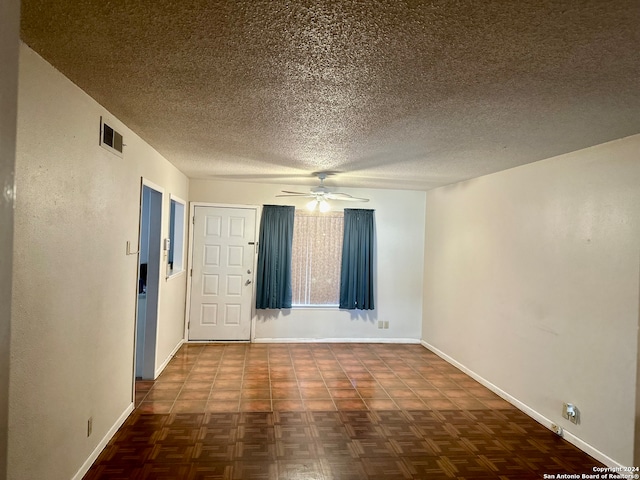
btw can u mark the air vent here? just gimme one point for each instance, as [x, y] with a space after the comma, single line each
[110, 139]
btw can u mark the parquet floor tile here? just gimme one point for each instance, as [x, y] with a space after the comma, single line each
[326, 412]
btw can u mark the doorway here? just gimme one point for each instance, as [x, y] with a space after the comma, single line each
[223, 261]
[149, 260]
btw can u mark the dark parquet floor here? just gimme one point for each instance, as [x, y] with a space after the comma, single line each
[327, 411]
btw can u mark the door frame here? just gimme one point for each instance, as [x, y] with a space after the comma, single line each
[192, 212]
[146, 183]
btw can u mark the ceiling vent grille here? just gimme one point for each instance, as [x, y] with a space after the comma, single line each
[110, 139]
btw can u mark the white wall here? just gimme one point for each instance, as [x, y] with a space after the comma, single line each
[399, 219]
[532, 282]
[9, 26]
[74, 286]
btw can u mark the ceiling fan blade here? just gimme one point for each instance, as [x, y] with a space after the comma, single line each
[296, 194]
[345, 197]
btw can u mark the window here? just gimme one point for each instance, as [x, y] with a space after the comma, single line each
[175, 251]
[317, 250]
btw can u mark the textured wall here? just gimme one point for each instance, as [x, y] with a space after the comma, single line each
[74, 286]
[399, 236]
[531, 281]
[9, 22]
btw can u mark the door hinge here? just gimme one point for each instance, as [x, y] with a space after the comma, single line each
[189, 325]
[193, 220]
[191, 272]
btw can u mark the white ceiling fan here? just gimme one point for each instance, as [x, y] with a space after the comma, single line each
[321, 194]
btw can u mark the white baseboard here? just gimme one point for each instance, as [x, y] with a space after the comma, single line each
[537, 416]
[336, 340]
[103, 443]
[168, 359]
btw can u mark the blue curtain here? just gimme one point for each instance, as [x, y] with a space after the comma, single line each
[356, 275]
[273, 281]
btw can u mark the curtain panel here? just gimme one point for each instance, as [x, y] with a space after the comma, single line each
[273, 282]
[356, 275]
[317, 246]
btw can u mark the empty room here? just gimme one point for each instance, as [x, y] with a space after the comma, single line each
[319, 240]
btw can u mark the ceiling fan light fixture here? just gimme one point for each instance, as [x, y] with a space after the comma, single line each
[324, 206]
[320, 195]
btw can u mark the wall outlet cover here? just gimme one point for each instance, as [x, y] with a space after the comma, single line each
[571, 412]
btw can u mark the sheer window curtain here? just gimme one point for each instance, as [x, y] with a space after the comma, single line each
[356, 275]
[317, 246]
[273, 280]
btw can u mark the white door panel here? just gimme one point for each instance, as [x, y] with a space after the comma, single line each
[222, 279]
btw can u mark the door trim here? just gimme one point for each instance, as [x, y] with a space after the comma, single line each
[187, 312]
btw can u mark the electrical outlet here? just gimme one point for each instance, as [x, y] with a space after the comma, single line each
[380, 324]
[556, 429]
[571, 412]
[89, 426]
[386, 324]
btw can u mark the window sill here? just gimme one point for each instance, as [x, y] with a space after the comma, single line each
[315, 307]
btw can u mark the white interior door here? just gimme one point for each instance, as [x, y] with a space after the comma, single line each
[222, 277]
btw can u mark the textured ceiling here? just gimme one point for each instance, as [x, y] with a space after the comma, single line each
[390, 93]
